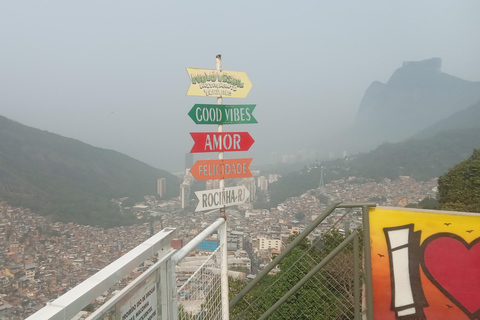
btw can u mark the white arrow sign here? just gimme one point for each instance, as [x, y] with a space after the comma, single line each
[219, 198]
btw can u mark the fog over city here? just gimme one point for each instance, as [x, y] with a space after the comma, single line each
[112, 73]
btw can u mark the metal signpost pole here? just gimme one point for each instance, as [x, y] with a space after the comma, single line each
[367, 254]
[223, 230]
[232, 84]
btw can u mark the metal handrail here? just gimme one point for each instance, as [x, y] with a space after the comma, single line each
[283, 254]
[69, 304]
[220, 225]
[72, 302]
[304, 234]
[183, 252]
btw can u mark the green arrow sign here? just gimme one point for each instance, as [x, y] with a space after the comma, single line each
[222, 114]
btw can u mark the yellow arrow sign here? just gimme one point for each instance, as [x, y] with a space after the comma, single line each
[214, 83]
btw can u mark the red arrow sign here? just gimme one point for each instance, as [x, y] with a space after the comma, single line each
[221, 169]
[221, 141]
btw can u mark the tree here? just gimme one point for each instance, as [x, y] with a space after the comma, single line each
[378, 199]
[129, 202]
[426, 203]
[89, 308]
[300, 216]
[459, 188]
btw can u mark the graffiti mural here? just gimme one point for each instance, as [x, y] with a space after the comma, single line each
[425, 264]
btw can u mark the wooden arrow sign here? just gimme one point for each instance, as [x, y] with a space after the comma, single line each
[221, 141]
[215, 83]
[221, 169]
[219, 198]
[222, 114]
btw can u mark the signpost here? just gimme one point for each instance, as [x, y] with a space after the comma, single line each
[221, 141]
[222, 114]
[218, 83]
[219, 198]
[221, 169]
[230, 84]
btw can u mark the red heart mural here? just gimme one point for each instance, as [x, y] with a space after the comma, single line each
[453, 265]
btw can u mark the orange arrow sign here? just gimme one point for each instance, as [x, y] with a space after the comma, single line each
[221, 169]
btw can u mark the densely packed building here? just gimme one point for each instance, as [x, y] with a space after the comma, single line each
[40, 260]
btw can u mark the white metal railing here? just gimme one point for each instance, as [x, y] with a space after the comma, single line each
[208, 284]
[151, 295]
[69, 304]
[154, 277]
[200, 295]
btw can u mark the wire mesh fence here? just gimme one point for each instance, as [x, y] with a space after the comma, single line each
[199, 297]
[329, 294]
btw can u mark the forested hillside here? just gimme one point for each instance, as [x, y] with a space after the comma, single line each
[70, 180]
[459, 188]
[421, 159]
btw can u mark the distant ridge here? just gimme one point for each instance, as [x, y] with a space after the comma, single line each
[68, 179]
[467, 118]
[419, 124]
[416, 96]
[421, 159]
[427, 154]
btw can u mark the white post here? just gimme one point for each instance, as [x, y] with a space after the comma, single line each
[172, 289]
[220, 126]
[163, 284]
[224, 272]
[223, 229]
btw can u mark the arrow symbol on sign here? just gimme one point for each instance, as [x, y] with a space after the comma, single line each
[219, 198]
[221, 141]
[221, 169]
[222, 114]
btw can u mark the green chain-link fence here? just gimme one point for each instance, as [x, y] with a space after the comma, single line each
[328, 294]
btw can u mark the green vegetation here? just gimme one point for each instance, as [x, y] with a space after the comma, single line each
[427, 203]
[328, 295]
[300, 216]
[292, 184]
[466, 118]
[378, 199]
[459, 188]
[420, 159]
[240, 269]
[68, 180]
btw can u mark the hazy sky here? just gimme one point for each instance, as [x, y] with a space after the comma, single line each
[112, 73]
